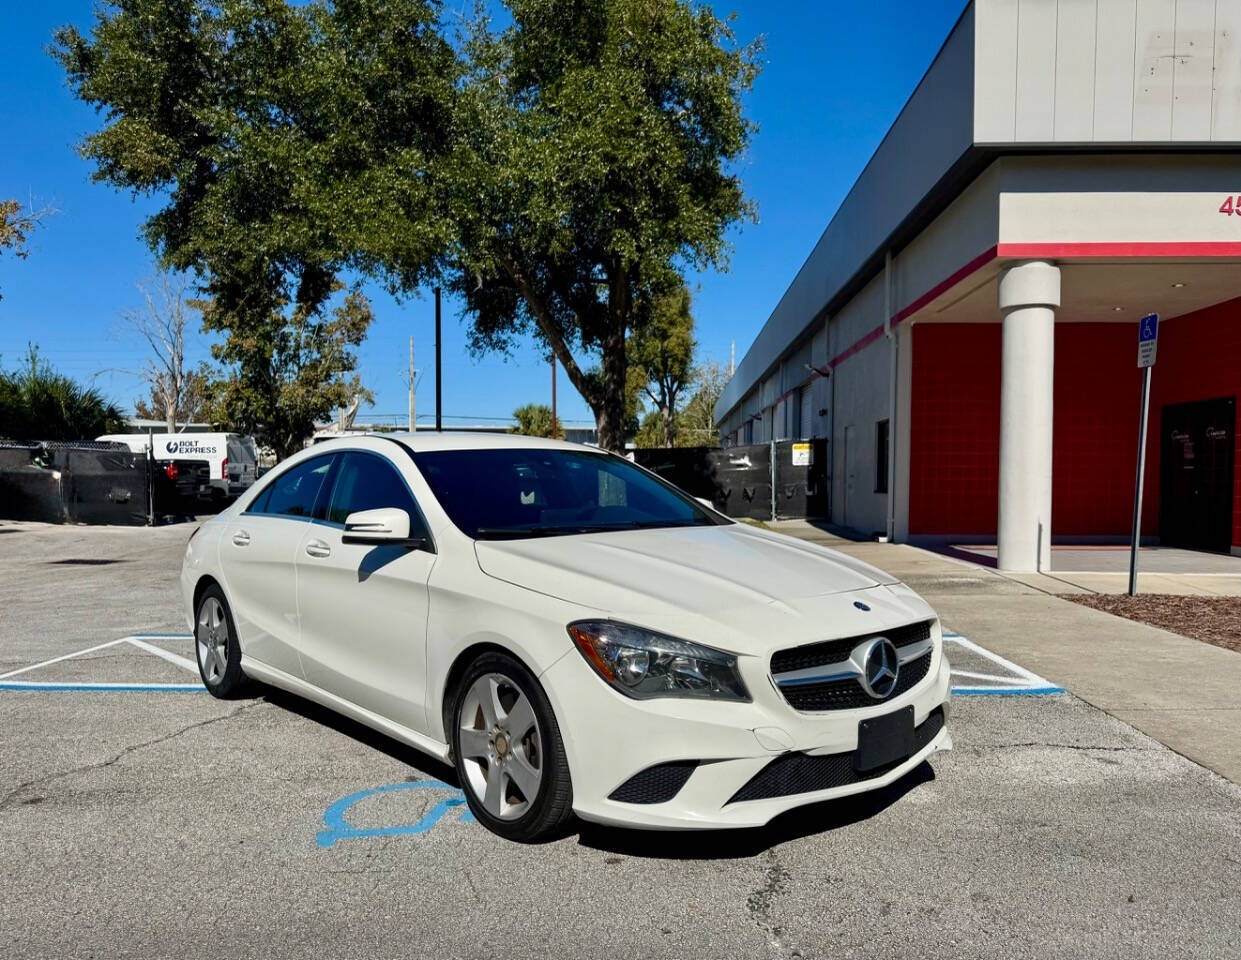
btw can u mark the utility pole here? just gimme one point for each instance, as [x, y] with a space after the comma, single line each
[413, 422]
[439, 378]
[555, 431]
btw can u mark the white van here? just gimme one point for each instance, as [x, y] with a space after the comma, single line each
[232, 459]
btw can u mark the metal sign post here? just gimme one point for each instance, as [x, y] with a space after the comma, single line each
[150, 481]
[1148, 339]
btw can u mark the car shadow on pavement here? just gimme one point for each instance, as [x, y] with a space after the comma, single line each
[740, 844]
[398, 751]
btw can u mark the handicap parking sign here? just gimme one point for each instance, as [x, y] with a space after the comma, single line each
[1148, 337]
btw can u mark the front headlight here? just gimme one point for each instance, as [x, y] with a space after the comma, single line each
[643, 664]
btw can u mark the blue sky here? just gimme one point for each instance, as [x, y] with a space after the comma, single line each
[835, 75]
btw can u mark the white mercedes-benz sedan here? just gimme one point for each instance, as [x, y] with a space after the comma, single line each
[575, 634]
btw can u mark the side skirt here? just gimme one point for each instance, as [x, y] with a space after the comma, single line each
[285, 681]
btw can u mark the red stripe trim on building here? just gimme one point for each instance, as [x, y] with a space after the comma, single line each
[858, 346]
[947, 284]
[1212, 248]
[939, 289]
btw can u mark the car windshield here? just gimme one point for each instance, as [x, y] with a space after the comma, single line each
[518, 493]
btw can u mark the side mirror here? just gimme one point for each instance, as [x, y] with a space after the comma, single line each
[387, 526]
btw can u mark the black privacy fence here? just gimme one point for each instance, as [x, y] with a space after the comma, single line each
[85, 482]
[759, 481]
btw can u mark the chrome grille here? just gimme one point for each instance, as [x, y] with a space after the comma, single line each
[821, 676]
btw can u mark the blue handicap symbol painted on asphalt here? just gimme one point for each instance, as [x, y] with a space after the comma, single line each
[338, 828]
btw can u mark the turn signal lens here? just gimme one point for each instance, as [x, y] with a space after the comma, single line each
[644, 664]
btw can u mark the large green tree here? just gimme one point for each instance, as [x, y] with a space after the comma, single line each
[557, 173]
[661, 354]
[592, 164]
[286, 143]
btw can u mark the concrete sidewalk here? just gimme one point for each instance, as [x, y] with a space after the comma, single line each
[1184, 693]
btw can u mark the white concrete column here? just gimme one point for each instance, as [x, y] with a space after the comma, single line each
[1029, 295]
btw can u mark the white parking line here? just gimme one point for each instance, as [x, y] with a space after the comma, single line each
[67, 656]
[989, 676]
[74, 686]
[1020, 682]
[185, 663]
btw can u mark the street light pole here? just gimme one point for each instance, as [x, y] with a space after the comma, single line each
[439, 378]
[413, 421]
[555, 431]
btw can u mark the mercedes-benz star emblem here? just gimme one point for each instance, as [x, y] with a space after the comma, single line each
[880, 667]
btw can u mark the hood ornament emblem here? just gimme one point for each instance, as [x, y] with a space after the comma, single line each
[879, 668]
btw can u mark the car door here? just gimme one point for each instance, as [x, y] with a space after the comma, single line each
[257, 555]
[363, 609]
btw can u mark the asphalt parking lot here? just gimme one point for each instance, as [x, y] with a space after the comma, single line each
[147, 819]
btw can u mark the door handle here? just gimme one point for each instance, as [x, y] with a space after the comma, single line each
[317, 548]
[241, 539]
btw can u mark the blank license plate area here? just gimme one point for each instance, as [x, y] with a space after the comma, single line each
[884, 740]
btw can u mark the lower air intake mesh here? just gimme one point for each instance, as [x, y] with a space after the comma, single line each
[796, 773]
[656, 784]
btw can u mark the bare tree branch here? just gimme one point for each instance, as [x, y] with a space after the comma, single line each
[175, 395]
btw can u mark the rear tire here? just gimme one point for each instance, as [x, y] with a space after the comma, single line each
[216, 649]
[508, 752]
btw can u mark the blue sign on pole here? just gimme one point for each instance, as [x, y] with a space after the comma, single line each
[1148, 337]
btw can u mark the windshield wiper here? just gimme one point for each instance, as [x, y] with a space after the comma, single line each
[522, 533]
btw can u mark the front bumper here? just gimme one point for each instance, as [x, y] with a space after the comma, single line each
[609, 738]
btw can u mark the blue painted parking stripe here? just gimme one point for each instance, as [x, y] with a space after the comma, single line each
[32, 686]
[1005, 691]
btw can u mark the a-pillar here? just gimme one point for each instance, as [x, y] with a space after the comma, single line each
[1029, 296]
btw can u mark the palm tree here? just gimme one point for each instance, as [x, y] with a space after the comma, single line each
[37, 403]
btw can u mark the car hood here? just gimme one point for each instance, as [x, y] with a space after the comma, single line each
[733, 576]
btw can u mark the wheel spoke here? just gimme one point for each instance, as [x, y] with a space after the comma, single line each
[520, 719]
[486, 692]
[474, 743]
[217, 614]
[217, 659]
[524, 775]
[493, 800]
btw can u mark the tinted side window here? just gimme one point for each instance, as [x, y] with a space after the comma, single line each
[293, 492]
[368, 482]
[260, 502]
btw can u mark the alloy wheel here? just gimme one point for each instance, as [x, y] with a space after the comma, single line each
[501, 746]
[212, 640]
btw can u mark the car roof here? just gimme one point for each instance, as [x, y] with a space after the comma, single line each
[427, 440]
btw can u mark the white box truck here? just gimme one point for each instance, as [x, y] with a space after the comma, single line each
[232, 459]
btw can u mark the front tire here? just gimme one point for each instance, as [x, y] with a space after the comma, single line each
[215, 646]
[508, 752]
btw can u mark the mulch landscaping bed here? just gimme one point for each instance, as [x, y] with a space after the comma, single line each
[1214, 620]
